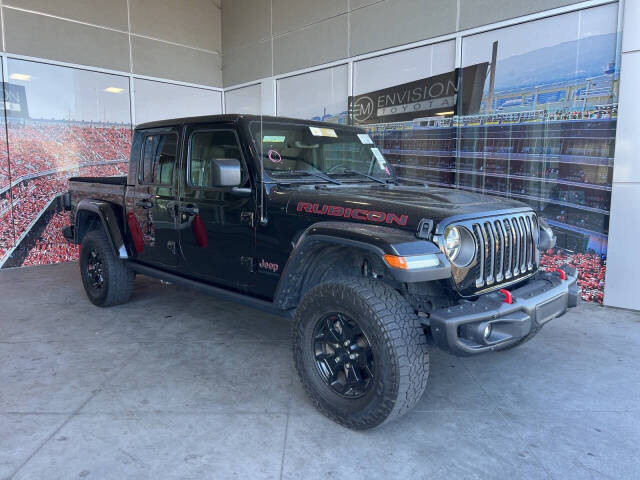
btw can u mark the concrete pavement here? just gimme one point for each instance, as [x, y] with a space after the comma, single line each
[176, 384]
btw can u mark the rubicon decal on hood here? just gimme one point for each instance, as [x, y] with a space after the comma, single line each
[355, 213]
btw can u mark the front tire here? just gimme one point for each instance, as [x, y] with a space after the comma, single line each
[360, 352]
[107, 280]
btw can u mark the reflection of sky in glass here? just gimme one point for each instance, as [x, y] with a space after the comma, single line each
[314, 94]
[401, 67]
[530, 36]
[244, 100]
[159, 100]
[64, 93]
[570, 48]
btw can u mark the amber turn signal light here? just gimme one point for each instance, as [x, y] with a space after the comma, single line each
[396, 262]
[412, 262]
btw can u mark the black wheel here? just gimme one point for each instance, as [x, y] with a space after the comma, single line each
[360, 352]
[106, 279]
[534, 331]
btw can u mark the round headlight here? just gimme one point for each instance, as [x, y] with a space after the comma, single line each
[452, 242]
[459, 245]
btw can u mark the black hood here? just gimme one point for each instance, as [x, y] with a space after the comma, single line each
[401, 205]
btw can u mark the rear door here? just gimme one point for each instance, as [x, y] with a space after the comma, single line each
[154, 203]
[217, 237]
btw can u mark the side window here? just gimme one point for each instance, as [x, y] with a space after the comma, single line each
[207, 146]
[159, 153]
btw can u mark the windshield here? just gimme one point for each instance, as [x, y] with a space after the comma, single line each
[307, 150]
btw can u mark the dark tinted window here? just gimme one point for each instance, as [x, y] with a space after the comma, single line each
[207, 146]
[159, 158]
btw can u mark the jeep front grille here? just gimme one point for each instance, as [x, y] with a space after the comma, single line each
[507, 250]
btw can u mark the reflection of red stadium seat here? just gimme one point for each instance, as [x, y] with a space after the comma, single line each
[51, 152]
[591, 271]
[51, 247]
[40, 147]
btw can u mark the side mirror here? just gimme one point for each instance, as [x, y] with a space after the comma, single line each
[225, 172]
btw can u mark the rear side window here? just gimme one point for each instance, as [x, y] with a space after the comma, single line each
[159, 153]
[204, 148]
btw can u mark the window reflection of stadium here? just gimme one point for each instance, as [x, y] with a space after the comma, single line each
[559, 166]
[42, 155]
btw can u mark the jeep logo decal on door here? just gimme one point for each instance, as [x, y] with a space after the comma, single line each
[272, 267]
[356, 213]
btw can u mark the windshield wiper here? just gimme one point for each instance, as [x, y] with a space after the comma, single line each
[370, 177]
[305, 172]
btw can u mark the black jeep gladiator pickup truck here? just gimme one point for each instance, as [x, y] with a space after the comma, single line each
[308, 220]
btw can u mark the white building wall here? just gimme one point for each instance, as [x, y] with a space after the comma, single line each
[623, 262]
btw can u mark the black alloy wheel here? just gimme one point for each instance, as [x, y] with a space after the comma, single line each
[95, 270]
[343, 355]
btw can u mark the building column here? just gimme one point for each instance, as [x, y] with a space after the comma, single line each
[622, 286]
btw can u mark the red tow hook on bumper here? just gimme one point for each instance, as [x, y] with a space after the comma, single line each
[508, 298]
[563, 274]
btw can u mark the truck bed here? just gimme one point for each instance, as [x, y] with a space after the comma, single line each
[111, 189]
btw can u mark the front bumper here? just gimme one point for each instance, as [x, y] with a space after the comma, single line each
[460, 329]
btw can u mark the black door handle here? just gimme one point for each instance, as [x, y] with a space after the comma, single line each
[188, 209]
[144, 204]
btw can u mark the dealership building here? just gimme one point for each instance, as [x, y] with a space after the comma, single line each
[538, 115]
[525, 100]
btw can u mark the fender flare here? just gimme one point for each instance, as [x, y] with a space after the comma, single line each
[111, 223]
[376, 240]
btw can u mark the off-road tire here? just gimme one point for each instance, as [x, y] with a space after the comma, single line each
[397, 342]
[534, 331]
[118, 278]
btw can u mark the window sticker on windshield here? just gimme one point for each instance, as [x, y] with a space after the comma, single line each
[274, 156]
[323, 132]
[364, 138]
[379, 158]
[273, 138]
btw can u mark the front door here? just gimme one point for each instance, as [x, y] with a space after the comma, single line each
[155, 203]
[215, 223]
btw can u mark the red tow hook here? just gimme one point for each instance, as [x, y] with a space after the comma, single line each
[508, 298]
[563, 275]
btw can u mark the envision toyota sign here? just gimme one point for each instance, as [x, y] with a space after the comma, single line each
[421, 98]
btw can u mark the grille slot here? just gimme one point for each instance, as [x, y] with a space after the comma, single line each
[498, 227]
[506, 248]
[481, 254]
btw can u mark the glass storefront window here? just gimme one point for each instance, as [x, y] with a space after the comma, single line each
[7, 237]
[401, 67]
[61, 122]
[320, 95]
[545, 130]
[530, 114]
[159, 101]
[406, 100]
[534, 119]
[244, 100]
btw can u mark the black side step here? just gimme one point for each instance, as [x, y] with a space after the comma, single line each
[263, 305]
